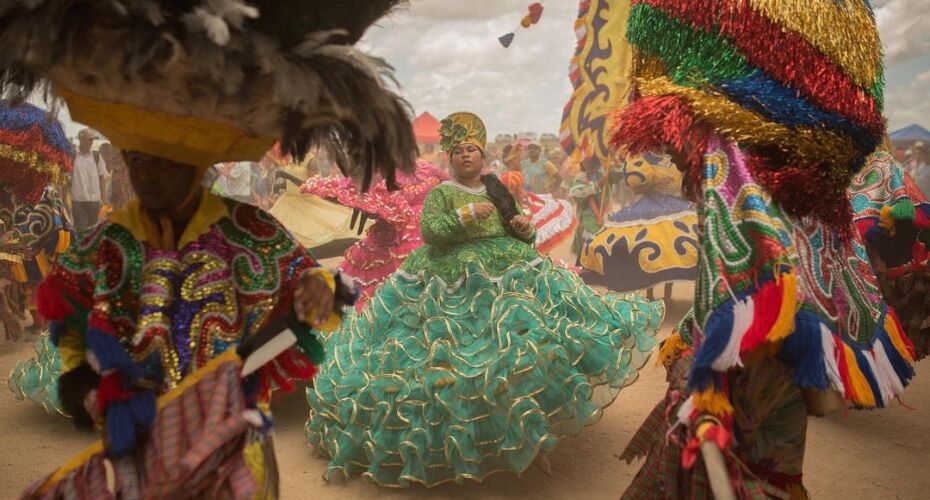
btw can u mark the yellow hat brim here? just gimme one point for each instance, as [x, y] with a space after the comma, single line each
[184, 139]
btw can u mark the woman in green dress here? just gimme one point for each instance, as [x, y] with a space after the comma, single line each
[478, 353]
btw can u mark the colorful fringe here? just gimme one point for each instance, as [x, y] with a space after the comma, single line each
[771, 285]
[869, 375]
[893, 217]
[798, 84]
[34, 151]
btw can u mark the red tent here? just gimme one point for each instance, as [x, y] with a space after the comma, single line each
[426, 129]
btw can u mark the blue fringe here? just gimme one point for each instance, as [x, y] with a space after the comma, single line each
[803, 350]
[903, 369]
[869, 375]
[717, 333]
[785, 105]
[25, 116]
[111, 354]
[55, 330]
[125, 417]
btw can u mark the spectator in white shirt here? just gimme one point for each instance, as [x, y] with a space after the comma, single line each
[88, 183]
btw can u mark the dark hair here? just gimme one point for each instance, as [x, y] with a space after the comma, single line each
[73, 387]
[502, 199]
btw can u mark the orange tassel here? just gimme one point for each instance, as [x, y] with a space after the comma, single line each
[784, 323]
[19, 273]
[862, 391]
[713, 402]
[64, 241]
[894, 332]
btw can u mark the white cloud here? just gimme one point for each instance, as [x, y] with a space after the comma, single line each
[449, 59]
[908, 103]
[905, 28]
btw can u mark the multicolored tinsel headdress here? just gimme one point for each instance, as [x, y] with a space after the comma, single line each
[797, 83]
[462, 128]
[201, 82]
[770, 107]
[34, 151]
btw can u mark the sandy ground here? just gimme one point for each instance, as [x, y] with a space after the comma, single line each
[873, 455]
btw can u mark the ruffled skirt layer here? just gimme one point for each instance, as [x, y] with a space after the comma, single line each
[433, 383]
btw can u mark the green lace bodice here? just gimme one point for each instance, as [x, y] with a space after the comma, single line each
[450, 242]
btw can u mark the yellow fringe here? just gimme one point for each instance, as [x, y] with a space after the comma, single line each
[860, 386]
[254, 456]
[671, 350]
[784, 323]
[42, 262]
[19, 273]
[821, 22]
[713, 402]
[64, 241]
[894, 332]
[886, 221]
[745, 126]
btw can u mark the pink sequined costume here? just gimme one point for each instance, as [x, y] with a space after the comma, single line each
[396, 231]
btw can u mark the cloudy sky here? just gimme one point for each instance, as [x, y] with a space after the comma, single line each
[448, 59]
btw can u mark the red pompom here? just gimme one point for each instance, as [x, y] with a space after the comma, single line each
[111, 389]
[50, 300]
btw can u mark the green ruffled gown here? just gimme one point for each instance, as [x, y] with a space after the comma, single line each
[36, 379]
[472, 358]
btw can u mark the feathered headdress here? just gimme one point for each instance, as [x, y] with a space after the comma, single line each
[205, 81]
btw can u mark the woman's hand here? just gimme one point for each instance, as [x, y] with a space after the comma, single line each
[312, 294]
[484, 210]
[522, 226]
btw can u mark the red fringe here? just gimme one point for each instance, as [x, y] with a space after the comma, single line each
[904, 338]
[654, 124]
[766, 306]
[783, 55]
[111, 389]
[791, 187]
[637, 128]
[98, 321]
[50, 301]
[844, 370]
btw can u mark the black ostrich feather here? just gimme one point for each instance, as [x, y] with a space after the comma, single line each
[289, 65]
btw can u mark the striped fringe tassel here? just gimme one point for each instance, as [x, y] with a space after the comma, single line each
[868, 375]
[738, 328]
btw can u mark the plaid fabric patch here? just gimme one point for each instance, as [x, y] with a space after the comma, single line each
[195, 450]
[662, 476]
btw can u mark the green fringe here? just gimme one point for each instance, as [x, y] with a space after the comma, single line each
[878, 88]
[697, 57]
[903, 209]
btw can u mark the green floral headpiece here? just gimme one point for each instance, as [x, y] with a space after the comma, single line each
[462, 128]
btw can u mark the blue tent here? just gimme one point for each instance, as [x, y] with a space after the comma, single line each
[910, 133]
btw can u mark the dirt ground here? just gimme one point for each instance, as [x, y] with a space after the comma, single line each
[869, 455]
